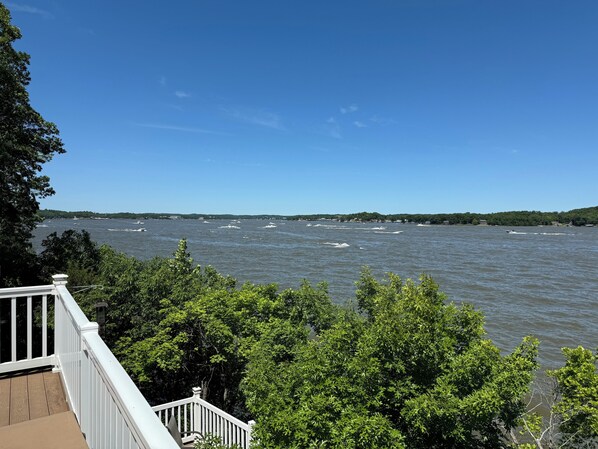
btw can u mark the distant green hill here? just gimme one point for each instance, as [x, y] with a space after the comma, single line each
[51, 213]
[575, 217]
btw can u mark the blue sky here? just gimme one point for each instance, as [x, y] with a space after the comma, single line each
[288, 107]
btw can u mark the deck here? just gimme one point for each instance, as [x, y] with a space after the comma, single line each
[30, 396]
[34, 413]
[107, 410]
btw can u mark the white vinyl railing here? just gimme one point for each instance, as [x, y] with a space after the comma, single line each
[19, 349]
[111, 411]
[196, 415]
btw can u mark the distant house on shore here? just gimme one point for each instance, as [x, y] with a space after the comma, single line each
[483, 223]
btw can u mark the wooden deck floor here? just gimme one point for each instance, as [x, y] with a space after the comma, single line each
[30, 396]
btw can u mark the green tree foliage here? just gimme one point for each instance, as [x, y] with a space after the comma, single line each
[27, 141]
[73, 253]
[577, 383]
[409, 371]
[205, 332]
[169, 319]
[577, 217]
[210, 441]
[564, 413]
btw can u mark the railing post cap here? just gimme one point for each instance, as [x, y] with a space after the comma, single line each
[196, 391]
[90, 327]
[60, 279]
[251, 423]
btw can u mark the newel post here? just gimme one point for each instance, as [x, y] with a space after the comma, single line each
[250, 425]
[85, 406]
[58, 280]
[197, 392]
[197, 424]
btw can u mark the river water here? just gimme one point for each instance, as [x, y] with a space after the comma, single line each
[540, 281]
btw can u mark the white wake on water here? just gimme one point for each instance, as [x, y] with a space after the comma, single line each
[336, 244]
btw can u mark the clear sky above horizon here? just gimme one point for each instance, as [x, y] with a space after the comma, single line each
[289, 107]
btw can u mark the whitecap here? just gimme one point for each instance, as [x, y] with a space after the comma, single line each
[336, 244]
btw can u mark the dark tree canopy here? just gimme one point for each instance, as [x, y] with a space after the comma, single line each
[26, 142]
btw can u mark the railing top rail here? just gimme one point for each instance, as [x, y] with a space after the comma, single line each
[157, 408]
[17, 292]
[145, 424]
[222, 413]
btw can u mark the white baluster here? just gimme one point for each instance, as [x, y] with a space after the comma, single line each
[13, 328]
[44, 325]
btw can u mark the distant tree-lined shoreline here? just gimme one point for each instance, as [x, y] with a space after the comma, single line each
[574, 217]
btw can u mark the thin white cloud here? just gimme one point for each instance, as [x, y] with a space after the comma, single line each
[182, 94]
[178, 128]
[360, 124]
[29, 10]
[382, 120]
[162, 81]
[331, 120]
[349, 109]
[255, 117]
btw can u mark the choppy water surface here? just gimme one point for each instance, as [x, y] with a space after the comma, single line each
[541, 281]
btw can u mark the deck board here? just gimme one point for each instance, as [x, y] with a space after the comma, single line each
[19, 400]
[4, 402]
[38, 403]
[58, 431]
[55, 393]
